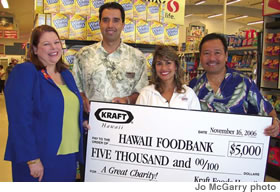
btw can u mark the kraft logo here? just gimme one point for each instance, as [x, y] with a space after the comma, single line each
[113, 115]
[173, 6]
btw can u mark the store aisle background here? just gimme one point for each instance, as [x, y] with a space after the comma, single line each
[5, 166]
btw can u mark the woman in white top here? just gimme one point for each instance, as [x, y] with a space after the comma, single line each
[167, 88]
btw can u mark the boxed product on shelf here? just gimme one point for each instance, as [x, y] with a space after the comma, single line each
[93, 29]
[270, 38]
[139, 10]
[156, 33]
[271, 64]
[272, 50]
[267, 76]
[275, 64]
[277, 38]
[39, 6]
[274, 156]
[128, 8]
[40, 20]
[267, 63]
[276, 50]
[94, 7]
[51, 6]
[152, 11]
[149, 61]
[268, 50]
[171, 34]
[67, 7]
[82, 7]
[231, 40]
[128, 33]
[142, 32]
[48, 19]
[61, 23]
[68, 57]
[274, 76]
[77, 27]
[271, 76]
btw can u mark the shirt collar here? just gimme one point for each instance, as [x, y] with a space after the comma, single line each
[118, 51]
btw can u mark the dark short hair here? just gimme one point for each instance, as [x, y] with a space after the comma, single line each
[1, 66]
[34, 41]
[213, 36]
[112, 5]
[168, 52]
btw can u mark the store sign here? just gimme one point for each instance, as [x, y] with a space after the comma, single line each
[271, 7]
[174, 12]
[143, 143]
[11, 34]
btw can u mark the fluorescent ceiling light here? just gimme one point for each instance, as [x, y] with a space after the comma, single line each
[217, 15]
[199, 2]
[239, 17]
[5, 4]
[256, 22]
[188, 15]
[233, 1]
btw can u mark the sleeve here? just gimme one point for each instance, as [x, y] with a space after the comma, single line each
[194, 101]
[142, 98]
[143, 80]
[78, 70]
[257, 104]
[21, 93]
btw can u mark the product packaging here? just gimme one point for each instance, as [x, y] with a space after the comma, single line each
[61, 23]
[77, 30]
[152, 11]
[142, 32]
[128, 33]
[40, 19]
[82, 7]
[51, 6]
[128, 8]
[39, 6]
[67, 6]
[171, 34]
[139, 10]
[93, 29]
[69, 56]
[94, 7]
[156, 33]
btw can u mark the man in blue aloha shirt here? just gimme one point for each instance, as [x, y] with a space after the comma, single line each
[223, 89]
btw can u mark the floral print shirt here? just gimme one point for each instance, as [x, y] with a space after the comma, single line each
[103, 76]
[237, 94]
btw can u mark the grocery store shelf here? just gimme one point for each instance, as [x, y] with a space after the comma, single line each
[243, 48]
[81, 43]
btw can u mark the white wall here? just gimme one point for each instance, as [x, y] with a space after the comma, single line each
[213, 25]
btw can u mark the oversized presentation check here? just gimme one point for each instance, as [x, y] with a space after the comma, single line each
[143, 143]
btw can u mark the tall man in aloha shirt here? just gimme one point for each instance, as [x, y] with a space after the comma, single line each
[109, 70]
[224, 90]
[102, 76]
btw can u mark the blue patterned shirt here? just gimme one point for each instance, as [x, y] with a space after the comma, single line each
[237, 94]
